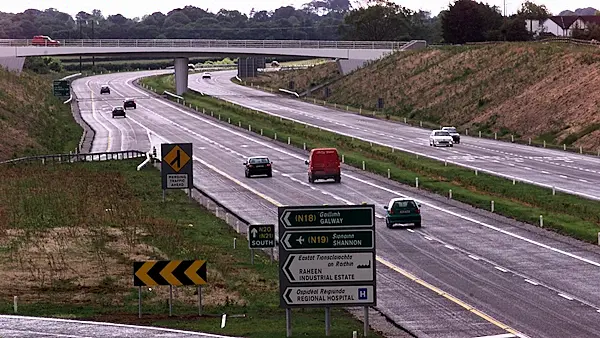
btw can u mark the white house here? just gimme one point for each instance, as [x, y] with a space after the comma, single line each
[562, 26]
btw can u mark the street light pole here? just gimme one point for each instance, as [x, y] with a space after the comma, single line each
[80, 37]
[93, 57]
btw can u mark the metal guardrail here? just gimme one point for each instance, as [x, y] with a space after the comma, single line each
[71, 158]
[170, 43]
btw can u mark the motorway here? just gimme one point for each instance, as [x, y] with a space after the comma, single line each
[34, 327]
[568, 172]
[466, 273]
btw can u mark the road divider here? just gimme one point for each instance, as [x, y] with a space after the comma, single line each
[567, 214]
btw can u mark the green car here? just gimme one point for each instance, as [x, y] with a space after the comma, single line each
[403, 211]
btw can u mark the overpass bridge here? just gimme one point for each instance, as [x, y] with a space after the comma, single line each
[351, 54]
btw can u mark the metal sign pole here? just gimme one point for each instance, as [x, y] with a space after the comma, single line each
[140, 302]
[170, 300]
[199, 301]
[190, 193]
[252, 256]
[327, 321]
[163, 196]
[366, 321]
[288, 322]
[272, 255]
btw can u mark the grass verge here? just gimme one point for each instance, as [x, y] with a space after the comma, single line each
[567, 214]
[67, 248]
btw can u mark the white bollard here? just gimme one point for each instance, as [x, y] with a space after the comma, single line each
[392, 150]
[544, 143]
[249, 127]
[229, 120]
[234, 240]
[388, 172]
[212, 114]
[514, 181]
[355, 334]
[530, 141]
[304, 145]
[564, 146]
[495, 136]
[450, 194]
[445, 163]
[347, 108]
[343, 158]
[405, 120]
[371, 144]
[480, 133]
[240, 124]
[261, 132]
[421, 123]
[363, 163]
[492, 207]
[360, 111]
[467, 131]
[289, 140]
[15, 303]
[553, 191]
[580, 149]
[416, 182]
[512, 138]
[476, 172]
[541, 221]
[275, 136]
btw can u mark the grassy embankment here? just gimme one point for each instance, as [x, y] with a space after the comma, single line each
[67, 247]
[538, 91]
[566, 214]
[32, 120]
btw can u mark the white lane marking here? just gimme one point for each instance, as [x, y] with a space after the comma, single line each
[582, 180]
[450, 247]
[420, 154]
[428, 238]
[531, 282]
[545, 172]
[410, 230]
[504, 335]
[527, 168]
[565, 296]
[563, 176]
[149, 328]
[501, 269]
[108, 130]
[474, 257]
[466, 218]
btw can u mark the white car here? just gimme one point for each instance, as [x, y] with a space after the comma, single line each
[440, 138]
[206, 75]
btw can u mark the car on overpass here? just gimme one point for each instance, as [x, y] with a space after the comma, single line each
[454, 133]
[129, 103]
[104, 90]
[206, 75]
[258, 165]
[440, 138]
[118, 111]
[403, 211]
[44, 40]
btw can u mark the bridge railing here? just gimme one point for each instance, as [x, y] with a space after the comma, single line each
[182, 43]
[70, 158]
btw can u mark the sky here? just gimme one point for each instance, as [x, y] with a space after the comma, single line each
[138, 8]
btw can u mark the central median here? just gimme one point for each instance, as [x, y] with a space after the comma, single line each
[564, 213]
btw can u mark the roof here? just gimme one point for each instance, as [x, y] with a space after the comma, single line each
[258, 157]
[590, 19]
[564, 22]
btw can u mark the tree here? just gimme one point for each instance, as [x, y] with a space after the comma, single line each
[470, 21]
[384, 21]
[531, 11]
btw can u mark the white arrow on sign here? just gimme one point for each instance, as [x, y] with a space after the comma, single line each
[254, 232]
[286, 240]
[285, 218]
[330, 267]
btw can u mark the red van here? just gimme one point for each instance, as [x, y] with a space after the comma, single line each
[323, 164]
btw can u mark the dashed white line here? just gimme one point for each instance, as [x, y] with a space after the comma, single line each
[582, 180]
[563, 176]
[501, 269]
[410, 230]
[428, 238]
[474, 257]
[531, 282]
[545, 172]
[450, 247]
[565, 296]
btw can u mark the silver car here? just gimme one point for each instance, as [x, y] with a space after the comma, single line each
[440, 138]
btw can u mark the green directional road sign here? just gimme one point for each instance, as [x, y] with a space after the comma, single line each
[344, 216]
[327, 240]
[261, 236]
[61, 88]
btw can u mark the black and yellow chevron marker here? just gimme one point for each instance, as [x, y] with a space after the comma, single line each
[175, 273]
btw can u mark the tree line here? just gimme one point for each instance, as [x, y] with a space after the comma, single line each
[463, 21]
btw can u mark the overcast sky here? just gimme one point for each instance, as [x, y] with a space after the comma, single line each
[133, 8]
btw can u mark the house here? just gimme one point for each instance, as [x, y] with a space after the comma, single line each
[561, 26]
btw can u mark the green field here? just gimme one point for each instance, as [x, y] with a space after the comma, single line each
[567, 214]
[68, 247]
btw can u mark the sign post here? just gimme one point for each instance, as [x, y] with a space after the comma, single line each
[327, 258]
[61, 88]
[261, 236]
[176, 167]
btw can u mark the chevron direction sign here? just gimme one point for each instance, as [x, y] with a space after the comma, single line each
[327, 256]
[174, 273]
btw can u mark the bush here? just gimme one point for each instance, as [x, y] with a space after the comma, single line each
[43, 65]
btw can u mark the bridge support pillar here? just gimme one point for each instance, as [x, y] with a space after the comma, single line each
[181, 75]
[12, 63]
[248, 66]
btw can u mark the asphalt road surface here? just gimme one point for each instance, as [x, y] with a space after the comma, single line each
[568, 172]
[33, 327]
[466, 273]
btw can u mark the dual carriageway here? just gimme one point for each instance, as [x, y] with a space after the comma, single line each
[466, 273]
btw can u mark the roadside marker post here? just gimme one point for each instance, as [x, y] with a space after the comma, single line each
[176, 167]
[327, 259]
[171, 273]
